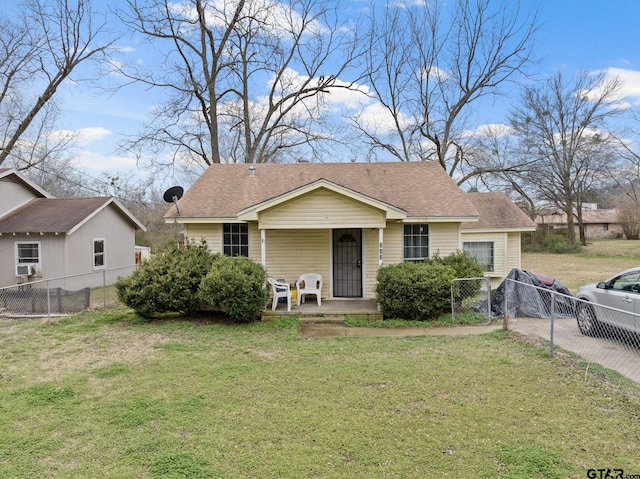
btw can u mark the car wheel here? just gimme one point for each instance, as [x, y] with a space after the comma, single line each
[587, 322]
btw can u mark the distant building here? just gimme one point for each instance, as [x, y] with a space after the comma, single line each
[599, 224]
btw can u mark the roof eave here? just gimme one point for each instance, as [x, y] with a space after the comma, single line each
[511, 229]
[441, 219]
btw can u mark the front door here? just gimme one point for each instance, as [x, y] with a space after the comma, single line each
[347, 263]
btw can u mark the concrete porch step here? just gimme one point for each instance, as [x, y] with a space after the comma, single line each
[331, 311]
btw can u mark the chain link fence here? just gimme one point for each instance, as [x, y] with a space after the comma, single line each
[598, 336]
[62, 296]
[471, 295]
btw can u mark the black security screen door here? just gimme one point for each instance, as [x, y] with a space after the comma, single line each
[347, 263]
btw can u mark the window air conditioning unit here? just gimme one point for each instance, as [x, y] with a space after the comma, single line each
[25, 270]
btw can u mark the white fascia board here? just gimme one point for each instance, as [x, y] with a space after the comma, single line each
[200, 220]
[25, 180]
[101, 208]
[515, 229]
[442, 219]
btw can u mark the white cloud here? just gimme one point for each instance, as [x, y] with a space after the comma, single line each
[490, 130]
[84, 136]
[630, 80]
[94, 161]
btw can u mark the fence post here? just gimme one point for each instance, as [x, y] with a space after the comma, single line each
[505, 307]
[488, 297]
[453, 305]
[553, 317]
[104, 288]
[48, 302]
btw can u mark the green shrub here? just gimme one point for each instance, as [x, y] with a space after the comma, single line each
[556, 242]
[167, 282]
[235, 286]
[465, 266]
[414, 291]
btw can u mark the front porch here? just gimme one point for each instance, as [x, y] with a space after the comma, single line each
[331, 310]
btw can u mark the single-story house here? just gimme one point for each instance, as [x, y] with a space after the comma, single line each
[42, 237]
[599, 224]
[346, 220]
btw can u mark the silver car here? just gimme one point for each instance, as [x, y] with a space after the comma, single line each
[621, 292]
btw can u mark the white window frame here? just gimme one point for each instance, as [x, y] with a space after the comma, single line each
[28, 261]
[95, 255]
[421, 235]
[488, 268]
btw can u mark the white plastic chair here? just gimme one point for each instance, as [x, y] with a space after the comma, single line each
[309, 283]
[280, 290]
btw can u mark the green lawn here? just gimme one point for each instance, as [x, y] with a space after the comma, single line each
[110, 396]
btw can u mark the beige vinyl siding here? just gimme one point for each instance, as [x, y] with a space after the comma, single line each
[255, 252]
[322, 209]
[499, 240]
[211, 233]
[444, 238]
[513, 252]
[370, 261]
[393, 243]
[291, 253]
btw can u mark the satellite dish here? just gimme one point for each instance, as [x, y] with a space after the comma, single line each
[172, 195]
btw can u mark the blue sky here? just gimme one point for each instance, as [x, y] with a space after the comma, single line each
[575, 35]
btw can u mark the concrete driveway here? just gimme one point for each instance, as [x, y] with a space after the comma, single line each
[621, 356]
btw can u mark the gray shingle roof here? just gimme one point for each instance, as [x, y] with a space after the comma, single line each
[51, 215]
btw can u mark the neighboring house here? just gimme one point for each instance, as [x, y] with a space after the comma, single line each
[599, 224]
[342, 220]
[43, 237]
[495, 240]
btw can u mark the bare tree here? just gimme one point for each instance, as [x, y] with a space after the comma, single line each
[428, 66]
[629, 217]
[562, 129]
[39, 51]
[246, 81]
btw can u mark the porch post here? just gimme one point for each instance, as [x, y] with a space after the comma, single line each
[263, 248]
[380, 245]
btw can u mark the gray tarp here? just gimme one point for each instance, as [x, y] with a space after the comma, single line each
[530, 295]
